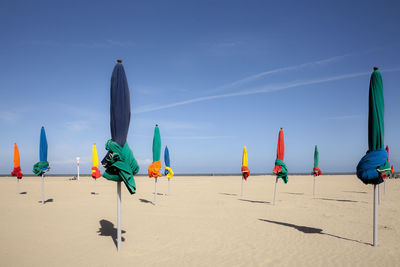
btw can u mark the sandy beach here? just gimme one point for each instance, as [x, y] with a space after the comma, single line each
[204, 222]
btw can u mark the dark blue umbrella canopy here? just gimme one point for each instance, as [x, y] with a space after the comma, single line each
[120, 106]
[43, 145]
[166, 160]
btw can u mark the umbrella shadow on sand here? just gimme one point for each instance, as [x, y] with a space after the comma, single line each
[228, 194]
[146, 201]
[23, 193]
[254, 201]
[47, 201]
[311, 230]
[341, 200]
[107, 229]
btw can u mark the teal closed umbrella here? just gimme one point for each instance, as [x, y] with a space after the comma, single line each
[374, 167]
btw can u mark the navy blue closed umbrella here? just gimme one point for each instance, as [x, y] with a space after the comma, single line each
[120, 164]
[120, 105]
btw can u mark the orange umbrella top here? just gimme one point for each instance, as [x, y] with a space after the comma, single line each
[280, 153]
[16, 156]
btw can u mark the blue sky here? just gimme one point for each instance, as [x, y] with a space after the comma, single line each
[215, 75]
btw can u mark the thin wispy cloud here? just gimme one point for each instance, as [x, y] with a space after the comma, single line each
[279, 70]
[77, 126]
[261, 90]
[96, 44]
[344, 117]
[199, 137]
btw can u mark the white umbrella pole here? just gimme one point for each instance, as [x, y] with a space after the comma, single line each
[42, 188]
[379, 195]
[276, 182]
[376, 188]
[384, 186]
[169, 192]
[155, 191]
[18, 185]
[313, 193]
[95, 186]
[119, 216]
[241, 192]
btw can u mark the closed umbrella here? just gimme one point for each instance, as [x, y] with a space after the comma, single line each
[17, 168]
[41, 167]
[120, 164]
[374, 167]
[95, 168]
[280, 169]
[245, 170]
[155, 166]
[168, 171]
[316, 170]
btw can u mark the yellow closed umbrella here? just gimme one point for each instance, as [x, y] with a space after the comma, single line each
[95, 169]
[245, 169]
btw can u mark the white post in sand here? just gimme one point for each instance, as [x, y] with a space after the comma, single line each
[241, 192]
[169, 192]
[313, 192]
[384, 186]
[95, 186]
[379, 195]
[276, 182]
[155, 191]
[376, 188]
[119, 216]
[77, 162]
[42, 188]
[18, 185]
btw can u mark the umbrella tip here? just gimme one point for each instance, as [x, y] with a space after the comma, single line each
[156, 125]
[119, 60]
[42, 126]
[376, 68]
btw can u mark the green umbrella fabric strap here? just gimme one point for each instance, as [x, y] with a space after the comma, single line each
[121, 165]
[40, 167]
[283, 172]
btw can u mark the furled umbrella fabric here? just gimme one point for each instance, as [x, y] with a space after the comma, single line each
[168, 171]
[43, 165]
[95, 161]
[120, 164]
[280, 169]
[316, 170]
[154, 168]
[374, 166]
[245, 170]
[17, 168]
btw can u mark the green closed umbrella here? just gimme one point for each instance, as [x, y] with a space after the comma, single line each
[316, 170]
[374, 167]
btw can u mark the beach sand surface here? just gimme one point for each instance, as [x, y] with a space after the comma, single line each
[204, 222]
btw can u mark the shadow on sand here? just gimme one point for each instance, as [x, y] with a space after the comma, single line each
[254, 201]
[146, 201]
[107, 229]
[94, 193]
[23, 193]
[293, 193]
[358, 192]
[47, 201]
[339, 200]
[228, 194]
[311, 230]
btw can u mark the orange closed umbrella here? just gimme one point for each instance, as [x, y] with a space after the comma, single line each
[17, 168]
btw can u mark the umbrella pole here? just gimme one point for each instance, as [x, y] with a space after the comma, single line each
[384, 186]
[241, 192]
[119, 216]
[379, 195]
[169, 192]
[18, 185]
[313, 193]
[42, 188]
[95, 186]
[155, 191]
[376, 188]
[276, 182]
